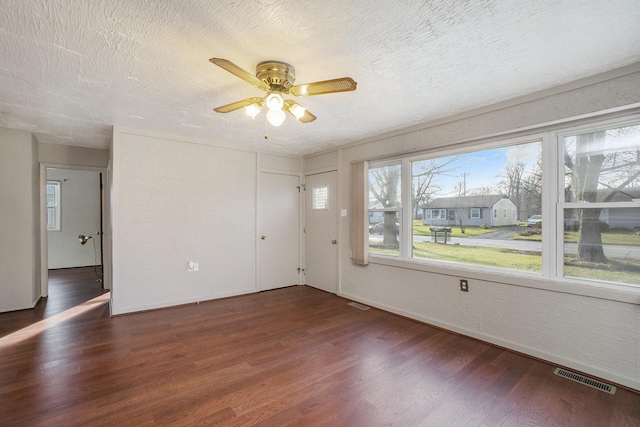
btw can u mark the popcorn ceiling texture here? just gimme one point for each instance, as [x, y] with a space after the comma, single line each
[71, 70]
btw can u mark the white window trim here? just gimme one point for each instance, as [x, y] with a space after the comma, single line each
[58, 208]
[549, 279]
[474, 210]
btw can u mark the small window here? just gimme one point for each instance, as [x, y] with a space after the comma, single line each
[600, 210]
[475, 213]
[53, 205]
[320, 198]
[495, 213]
[385, 205]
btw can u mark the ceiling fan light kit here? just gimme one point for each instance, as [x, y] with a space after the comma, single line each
[277, 78]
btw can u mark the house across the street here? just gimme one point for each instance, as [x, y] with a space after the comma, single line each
[493, 210]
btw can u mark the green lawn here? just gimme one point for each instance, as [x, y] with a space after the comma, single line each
[423, 230]
[609, 237]
[616, 270]
[505, 258]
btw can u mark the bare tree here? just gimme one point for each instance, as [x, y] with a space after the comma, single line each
[482, 191]
[384, 186]
[590, 167]
[461, 211]
[423, 174]
[512, 182]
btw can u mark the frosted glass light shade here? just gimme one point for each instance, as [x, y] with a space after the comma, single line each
[297, 111]
[275, 101]
[252, 110]
[276, 117]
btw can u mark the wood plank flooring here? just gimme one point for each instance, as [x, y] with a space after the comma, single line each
[68, 287]
[290, 357]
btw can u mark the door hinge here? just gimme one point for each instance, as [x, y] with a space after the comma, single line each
[301, 187]
[300, 270]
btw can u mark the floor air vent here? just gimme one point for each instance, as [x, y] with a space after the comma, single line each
[585, 380]
[358, 305]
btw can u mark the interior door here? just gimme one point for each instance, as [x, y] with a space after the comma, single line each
[278, 231]
[321, 244]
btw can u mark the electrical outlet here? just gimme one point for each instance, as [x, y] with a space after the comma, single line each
[464, 285]
[193, 266]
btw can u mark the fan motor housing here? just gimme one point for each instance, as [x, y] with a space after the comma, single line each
[277, 74]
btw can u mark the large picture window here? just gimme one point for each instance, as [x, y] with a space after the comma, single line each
[472, 188]
[563, 206]
[489, 208]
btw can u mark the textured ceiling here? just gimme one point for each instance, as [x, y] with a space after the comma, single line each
[70, 69]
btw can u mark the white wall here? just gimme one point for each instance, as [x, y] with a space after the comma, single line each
[594, 335]
[19, 226]
[73, 156]
[175, 201]
[79, 214]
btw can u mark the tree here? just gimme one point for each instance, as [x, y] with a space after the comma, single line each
[461, 212]
[423, 174]
[482, 191]
[591, 166]
[512, 182]
[384, 186]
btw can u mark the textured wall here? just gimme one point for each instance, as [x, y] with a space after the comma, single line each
[595, 335]
[175, 202]
[19, 235]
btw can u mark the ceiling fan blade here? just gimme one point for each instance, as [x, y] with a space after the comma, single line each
[238, 104]
[239, 72]
[343, 84]
[294, 109]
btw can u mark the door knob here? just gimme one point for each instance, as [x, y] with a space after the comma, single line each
[335, 242]
[263, 237]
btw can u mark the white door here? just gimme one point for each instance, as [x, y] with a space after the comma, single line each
[278, 231]
[321, 244]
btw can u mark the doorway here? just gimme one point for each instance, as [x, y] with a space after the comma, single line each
[72, 220]
[321, 237]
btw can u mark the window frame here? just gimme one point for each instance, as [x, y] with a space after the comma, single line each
[551, 277]
[400, 210]
[560, 204]
[56, 207]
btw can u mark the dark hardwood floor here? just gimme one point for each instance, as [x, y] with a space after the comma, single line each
[68, 287]
[295, 356]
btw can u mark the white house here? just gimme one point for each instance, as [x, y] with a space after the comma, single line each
[493, 211]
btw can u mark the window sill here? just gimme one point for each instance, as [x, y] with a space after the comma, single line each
[621, 293]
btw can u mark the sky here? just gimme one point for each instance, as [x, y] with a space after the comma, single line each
[484, 168]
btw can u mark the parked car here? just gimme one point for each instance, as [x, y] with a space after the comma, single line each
[379, 228]
[534, 220]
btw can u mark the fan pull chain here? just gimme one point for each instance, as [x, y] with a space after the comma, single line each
[266, 135]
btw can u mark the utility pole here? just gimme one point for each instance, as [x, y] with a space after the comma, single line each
[464, 184]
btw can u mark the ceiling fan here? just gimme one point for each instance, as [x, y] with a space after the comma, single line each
[277, 78]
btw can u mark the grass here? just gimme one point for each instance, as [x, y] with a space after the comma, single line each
[496, 257]
[423, 230]
[610, 237]
[616, 270]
